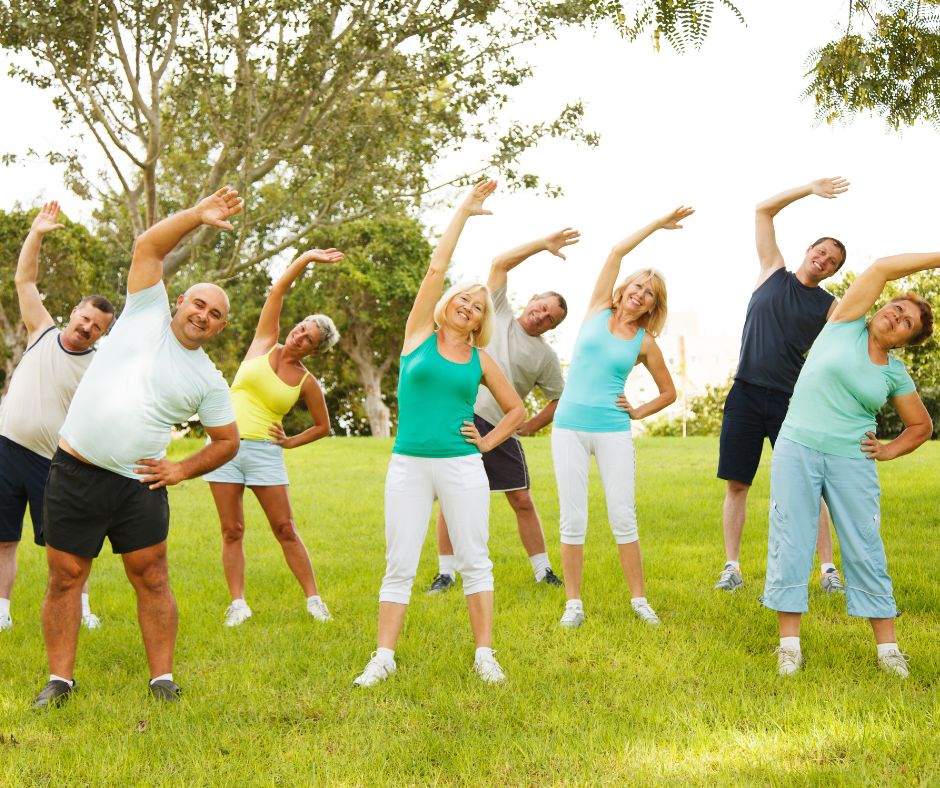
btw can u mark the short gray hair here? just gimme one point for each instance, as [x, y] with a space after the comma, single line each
[329, 334]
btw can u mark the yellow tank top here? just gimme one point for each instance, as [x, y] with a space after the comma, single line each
[260, 397]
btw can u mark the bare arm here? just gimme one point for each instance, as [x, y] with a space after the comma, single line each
[652, 358]
[316, 407]
[607, 278]
[157, 242]
[35, 316]
[269, 322]
[166, 472]
[508, 401]
[768, 253]
[869, 285]
[539, 420]
[918, 427]
[505, 262]
[421, 318]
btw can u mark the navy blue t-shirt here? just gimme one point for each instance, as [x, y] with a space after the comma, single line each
[784, 317]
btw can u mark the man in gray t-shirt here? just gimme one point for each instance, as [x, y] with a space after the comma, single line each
[528, 362]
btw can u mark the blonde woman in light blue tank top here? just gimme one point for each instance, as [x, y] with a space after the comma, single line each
[593, 416]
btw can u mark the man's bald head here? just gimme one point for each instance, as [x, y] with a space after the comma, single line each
[210, 291]
[201, 313]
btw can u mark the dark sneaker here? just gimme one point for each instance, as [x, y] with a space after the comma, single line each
[441, 583]
[165, 690]
[55, 693]
[550, 579]
[730, 579]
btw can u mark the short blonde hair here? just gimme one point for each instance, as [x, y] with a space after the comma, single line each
[654, 320]
[480, 337]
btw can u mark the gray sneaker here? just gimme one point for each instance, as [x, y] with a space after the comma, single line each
[831, 582]
[895, 663]
[730, 579]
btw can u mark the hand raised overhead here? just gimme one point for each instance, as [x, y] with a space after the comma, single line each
[671, 220]
[320, 256]
[216, 209]
[473, 202]
[555, 242]
[829, 188]
[47, 219]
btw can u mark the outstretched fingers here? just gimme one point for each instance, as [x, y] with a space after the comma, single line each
[671, 222]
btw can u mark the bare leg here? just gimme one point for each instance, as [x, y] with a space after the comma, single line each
[733, 514]
[391, 619]
[276, 504]
[7, 568]
[824, 536]
[631, 560]
[527, 520]
[148, 572]
[480, 608]
[228, 503]
[62, 609]
[572, 564]
[444, 546]
[884, 630]
[789, 624]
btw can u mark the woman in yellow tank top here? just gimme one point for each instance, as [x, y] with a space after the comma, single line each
[270, 380]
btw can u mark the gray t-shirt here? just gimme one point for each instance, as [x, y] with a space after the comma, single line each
[525, 360]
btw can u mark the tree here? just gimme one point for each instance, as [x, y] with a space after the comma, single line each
[886, 61]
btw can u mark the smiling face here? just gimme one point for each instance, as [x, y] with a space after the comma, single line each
[896, 324]
[201, 314]
[464, 312]
[822, 260]
[304, 338]
[541, 314]
[639, 297]
[86, 324]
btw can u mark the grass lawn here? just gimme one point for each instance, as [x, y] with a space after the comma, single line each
[696, 701]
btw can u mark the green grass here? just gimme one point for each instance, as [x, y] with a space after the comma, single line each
[696, 701]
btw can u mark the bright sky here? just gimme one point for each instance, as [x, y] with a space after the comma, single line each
[719, 129]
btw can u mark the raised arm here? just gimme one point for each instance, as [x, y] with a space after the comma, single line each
[35, 315]
[156, 243]
[765, 236]
[505, 262]
[607, 278]
[421, 318]
[269, 322]
[509, 402]
[868, 287]
[652, 358]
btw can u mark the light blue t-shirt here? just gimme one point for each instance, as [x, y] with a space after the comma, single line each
[141, 383]
[597, 375]
[840, 390]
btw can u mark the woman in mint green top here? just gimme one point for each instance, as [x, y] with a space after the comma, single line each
[827, 447]
[437, 450]
[593, 416]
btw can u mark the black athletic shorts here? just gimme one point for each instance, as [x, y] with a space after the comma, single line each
[85, 503]
[751, 414]
[505, 465]
[22, 480]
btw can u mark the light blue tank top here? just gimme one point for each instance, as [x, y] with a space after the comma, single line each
[596, 377]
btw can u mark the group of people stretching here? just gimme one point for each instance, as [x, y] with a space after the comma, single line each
[84, 444]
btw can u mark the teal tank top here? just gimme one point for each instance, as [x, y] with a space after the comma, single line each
[435, 398]
[596, 377]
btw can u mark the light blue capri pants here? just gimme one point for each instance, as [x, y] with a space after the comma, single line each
[798, 477]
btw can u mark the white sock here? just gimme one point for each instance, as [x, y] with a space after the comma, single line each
[791, 643]
[733, 565]
[239, 602]
[385, 655]
[638, 600]
[574, 604]
[447, 565]
[887, 648]
[824, 568]
[540, 564]
[4, 607]
[86, 607]
[162, 677]
[54, 677]
[483, 652]
[312, 599]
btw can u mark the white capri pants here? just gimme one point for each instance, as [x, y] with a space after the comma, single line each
[616, 461]
[411, 485]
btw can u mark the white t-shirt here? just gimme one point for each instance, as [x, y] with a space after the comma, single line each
[142, 382]
[525, 360]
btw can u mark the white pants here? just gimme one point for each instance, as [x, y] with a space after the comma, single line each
[411, 485]
[616, 461]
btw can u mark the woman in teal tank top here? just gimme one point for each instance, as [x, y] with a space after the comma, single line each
[437, 449]
[593, 416]
[272, 377]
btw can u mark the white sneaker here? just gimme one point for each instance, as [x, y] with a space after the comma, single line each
[488, 669]
[645, 612]
[377, 670]
[895, 663]
[237, 613]
[572, 618]
[789, 660]
[318, 609]
[5, 622]
[90, 621]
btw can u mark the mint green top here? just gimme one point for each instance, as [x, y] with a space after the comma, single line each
[597, 375]
[435, 398]
[839, 391]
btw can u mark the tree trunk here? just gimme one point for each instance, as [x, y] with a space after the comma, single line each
[357, 344]
[376, 410]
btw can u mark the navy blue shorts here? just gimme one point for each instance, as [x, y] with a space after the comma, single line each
[751, 414]
[505, 465]
[23, 475]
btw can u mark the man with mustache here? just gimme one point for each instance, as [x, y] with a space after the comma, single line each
[110, 473]
[38, 398]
